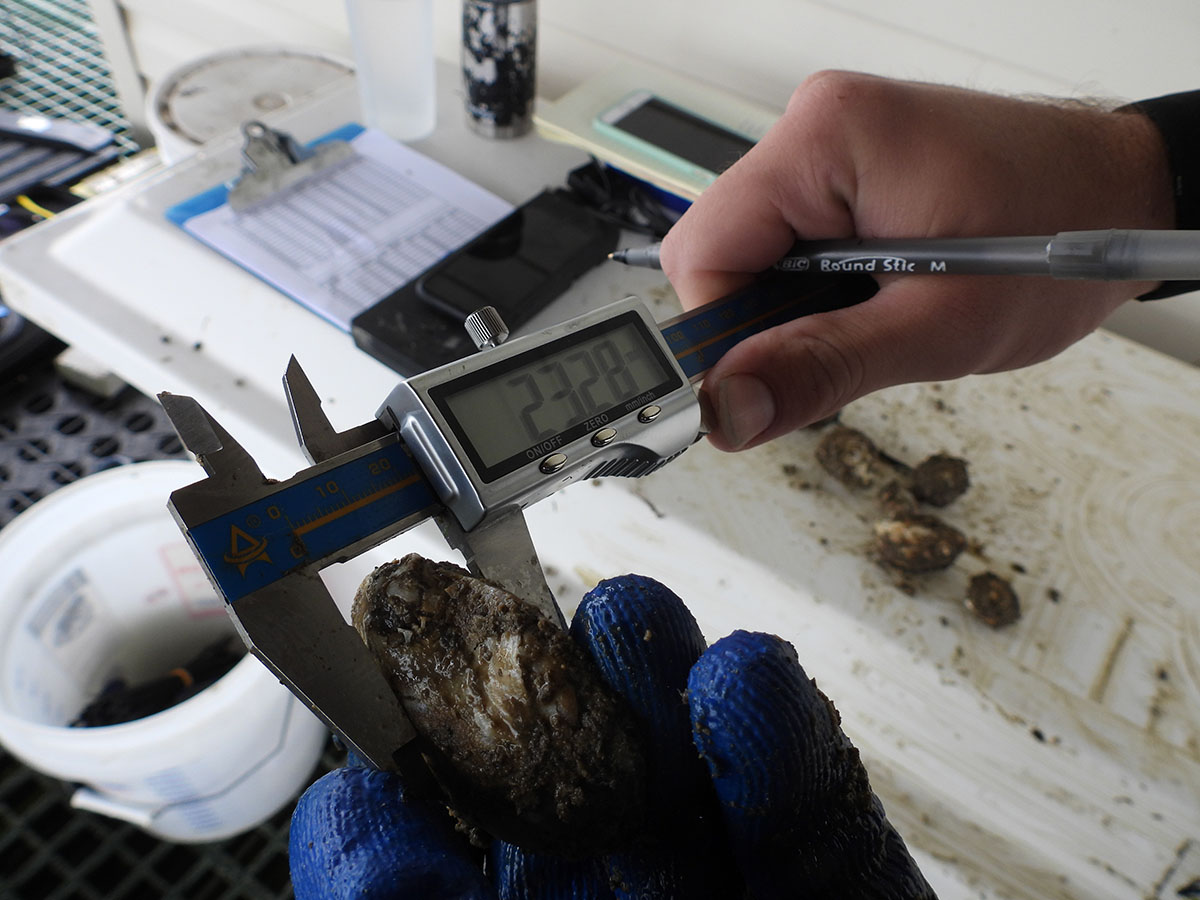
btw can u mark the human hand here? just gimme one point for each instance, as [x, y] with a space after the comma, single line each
[775, 803]
[855, 155]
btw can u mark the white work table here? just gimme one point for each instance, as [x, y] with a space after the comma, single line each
[1055, 758]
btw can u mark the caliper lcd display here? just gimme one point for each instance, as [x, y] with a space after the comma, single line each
[524, 407]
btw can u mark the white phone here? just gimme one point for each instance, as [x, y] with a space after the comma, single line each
[673, 136]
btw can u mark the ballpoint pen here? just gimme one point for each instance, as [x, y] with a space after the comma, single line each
[1106, 255]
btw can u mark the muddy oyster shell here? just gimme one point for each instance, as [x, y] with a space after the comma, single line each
[917, 543]
[527, 741]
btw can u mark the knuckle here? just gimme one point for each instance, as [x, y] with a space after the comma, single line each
[838, 373]
[822, 377]
[837, 90]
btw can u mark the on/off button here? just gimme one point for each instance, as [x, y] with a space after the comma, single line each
[552, 463]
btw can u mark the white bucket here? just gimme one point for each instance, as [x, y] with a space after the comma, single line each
[96, 581]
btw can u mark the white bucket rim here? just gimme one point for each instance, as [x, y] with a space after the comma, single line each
[28, 530]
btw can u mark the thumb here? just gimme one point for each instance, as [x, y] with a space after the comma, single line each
[913, 329]
[358, 834]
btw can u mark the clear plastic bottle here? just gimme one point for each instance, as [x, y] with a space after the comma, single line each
[393, 54]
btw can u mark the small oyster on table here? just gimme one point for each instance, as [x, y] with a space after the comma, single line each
[940, 480]
[526, 740]
[917, 543]
[851, 457]
[993, 600]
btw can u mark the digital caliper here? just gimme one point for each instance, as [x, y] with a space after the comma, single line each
[469, 444]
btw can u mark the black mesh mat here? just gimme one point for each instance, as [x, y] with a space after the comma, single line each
[49, 851]
[52, 434]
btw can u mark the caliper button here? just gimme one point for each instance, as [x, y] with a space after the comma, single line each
[649, 414]
[553, 463]
[604, 437]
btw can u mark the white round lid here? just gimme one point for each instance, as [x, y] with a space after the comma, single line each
[217, 93]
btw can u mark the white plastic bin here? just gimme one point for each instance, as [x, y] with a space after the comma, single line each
[98, 582]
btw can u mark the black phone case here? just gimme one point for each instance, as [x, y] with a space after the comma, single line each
[518, 265]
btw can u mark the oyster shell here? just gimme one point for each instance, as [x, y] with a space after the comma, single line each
[940, 480]
[993, 600]
[917, 543]
[525, 738]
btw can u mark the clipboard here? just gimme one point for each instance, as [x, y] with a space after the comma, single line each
[340, 223]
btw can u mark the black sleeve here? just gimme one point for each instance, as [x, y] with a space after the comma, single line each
[1177, 117]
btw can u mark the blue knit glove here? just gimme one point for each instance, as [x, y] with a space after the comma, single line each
[753, 787]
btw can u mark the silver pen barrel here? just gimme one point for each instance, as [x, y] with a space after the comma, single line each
[1103, 255]
[930, 256]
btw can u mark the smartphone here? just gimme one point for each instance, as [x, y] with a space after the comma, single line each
[519, 265]
[522, 262]
[697, 147]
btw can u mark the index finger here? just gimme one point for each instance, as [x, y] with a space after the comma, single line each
[752, 214]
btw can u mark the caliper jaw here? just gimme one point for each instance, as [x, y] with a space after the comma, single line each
[230, 468]
[292, 624]
[316, 434]
[502, 551]
[290, 621]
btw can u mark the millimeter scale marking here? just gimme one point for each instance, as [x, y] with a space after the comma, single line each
[310, 518]
[354, 506]
[702, 323]
[756, 308]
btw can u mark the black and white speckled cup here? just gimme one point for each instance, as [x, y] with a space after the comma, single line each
[499, 52]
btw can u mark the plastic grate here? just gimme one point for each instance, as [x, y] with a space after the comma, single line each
[61, 70]
[49, 851]
[52, 434]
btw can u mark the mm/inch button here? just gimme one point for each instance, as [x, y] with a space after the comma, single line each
[649, 414]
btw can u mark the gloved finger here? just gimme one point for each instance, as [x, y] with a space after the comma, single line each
[797, 804]
[522, 875]
[356, 832]
[645, 640]
[695, 865]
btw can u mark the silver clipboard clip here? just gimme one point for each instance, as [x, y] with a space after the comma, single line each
[275, 161]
